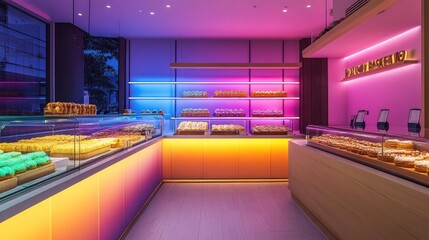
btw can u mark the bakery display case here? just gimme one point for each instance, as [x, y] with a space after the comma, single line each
[35, 149]
[403, 156]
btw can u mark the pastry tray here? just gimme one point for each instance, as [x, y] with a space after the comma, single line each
[270, 133]
[188, 132]
[389, 167]
[30, 175]
[81, 156]
[228, 133]
[8, 184]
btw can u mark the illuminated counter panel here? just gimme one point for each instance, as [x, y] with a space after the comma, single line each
[99, 206]
[225, 158]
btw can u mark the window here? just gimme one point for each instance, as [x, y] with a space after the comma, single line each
[101, 73]
[23, 63]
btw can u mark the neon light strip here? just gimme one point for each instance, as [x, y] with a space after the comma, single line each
[21, 98]
[238, 83]
[22, 82]
[217, 98]
[235, 118]
[378, 45]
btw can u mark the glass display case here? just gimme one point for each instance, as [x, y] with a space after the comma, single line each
[403, 156]
[35, 149]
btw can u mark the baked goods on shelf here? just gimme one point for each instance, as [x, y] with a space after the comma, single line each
[129, 111]
[397, 152]
[125, 139]
[421, 166]
[139, 128]
[270, 130]
[267, 113]
[229, 93]
[69, 108]
[404, 161]
[228, 129]
[192, 128]
[195, 94]
[227, 112]
[84, 149]
[268, 94]
[39, 143]
[195, 112]
[15, 163]
[153, 111]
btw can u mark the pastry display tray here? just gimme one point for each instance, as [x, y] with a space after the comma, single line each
[200, 132]
[388, 167]
[228, 133]
[82, 156]
[270, 133]
[8, 184]
[30, 175]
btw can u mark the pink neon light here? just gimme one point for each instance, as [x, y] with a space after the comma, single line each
[380, 44]
[19, 82]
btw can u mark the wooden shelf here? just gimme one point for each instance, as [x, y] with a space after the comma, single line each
[366, 27]
[386, 68]
[236, 65]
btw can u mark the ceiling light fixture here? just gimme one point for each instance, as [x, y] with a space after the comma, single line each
[284, 10]
[108, 6]
[168, 6]
[152, 13]
[309, 6]
[140, 11]
[80, 14]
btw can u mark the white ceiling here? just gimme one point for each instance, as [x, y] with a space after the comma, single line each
[188, 18]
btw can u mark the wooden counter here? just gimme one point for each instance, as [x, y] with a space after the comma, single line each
[353, 201]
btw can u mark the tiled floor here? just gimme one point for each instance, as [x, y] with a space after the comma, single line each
[221, 211]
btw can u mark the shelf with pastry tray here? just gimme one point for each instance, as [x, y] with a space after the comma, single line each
[375, 150]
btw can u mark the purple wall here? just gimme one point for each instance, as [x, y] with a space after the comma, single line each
[397, 89]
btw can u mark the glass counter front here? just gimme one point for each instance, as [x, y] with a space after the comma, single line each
[36, 149]
[403, 156]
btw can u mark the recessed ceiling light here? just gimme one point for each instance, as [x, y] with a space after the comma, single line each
[152, 13]
[140, 11]
[309, 6]
[79, 14]
[168, 6]
[284, 10]
[108, 6]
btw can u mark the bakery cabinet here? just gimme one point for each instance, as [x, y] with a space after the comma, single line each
[399, 155]
[36, 149]
[232, 95]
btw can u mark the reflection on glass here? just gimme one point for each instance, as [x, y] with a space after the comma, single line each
[23, 63]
